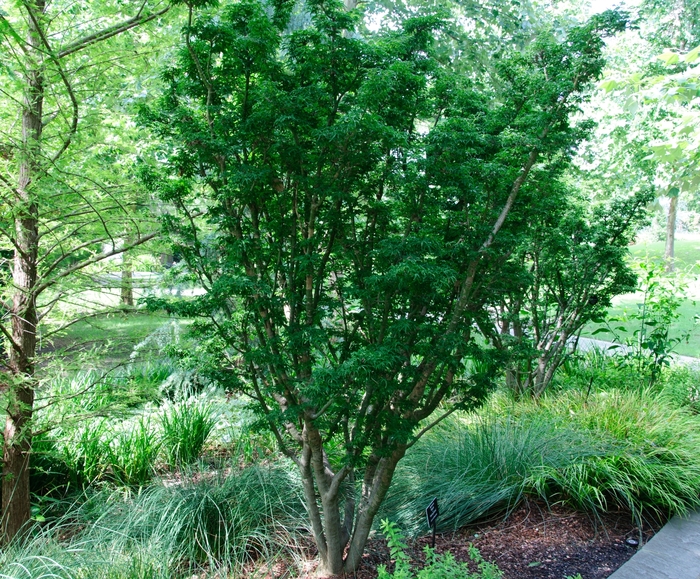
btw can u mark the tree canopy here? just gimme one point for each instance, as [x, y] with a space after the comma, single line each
[350, 205]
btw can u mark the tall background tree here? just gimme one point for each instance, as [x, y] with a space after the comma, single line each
[62, 207]
[646, 123]
[347, 204]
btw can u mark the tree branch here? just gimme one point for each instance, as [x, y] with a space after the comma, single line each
[110, 31]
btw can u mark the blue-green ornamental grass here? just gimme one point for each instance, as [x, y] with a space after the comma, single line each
[213, 522]
[613, 449]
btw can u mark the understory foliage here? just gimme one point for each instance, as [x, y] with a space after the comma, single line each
[570, 266]
[437, 566]
[633, 449]
[216, 523]
[348, 206]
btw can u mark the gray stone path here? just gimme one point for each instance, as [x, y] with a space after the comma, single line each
[673, 553]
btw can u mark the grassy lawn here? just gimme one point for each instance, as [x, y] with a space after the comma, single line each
[118, 334]
[628, 303]
[687, 253]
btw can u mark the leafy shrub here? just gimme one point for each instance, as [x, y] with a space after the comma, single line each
[437, 566]
[49, 474]
[186, 427]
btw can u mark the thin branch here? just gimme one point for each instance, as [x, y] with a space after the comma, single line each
[95, 259]
[430, 426]
[110, 31]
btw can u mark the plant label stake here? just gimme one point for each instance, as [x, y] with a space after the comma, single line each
[432, 513]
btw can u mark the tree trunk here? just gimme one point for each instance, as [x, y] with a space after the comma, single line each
[17, 434]
[669, 254]
[340, 540]
[127, 282]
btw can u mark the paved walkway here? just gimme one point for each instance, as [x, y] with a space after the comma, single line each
[673, 553]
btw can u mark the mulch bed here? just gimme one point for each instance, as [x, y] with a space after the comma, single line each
[534, 542]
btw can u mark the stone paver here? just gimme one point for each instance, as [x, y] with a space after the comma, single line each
[673, 553]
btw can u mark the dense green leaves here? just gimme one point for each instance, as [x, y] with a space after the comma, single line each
[349, 205]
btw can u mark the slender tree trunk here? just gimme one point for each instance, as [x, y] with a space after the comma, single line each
[17, 433]
[127, 281]
[669, 254]
[373, 495]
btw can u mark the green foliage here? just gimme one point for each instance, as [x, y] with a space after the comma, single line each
[649, 350]
[218, 524]
[133, 451]
[348, 204]
[218, 521]
[569, 268]
[651, 464]
[596, 451]
[437, 566]
[186, 427]
[480, 468]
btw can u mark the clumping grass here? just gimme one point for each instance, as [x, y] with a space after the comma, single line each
[186, 428]
[133, 452]
[478, 467]
[596, 451]
[214, 523]
[653, 463]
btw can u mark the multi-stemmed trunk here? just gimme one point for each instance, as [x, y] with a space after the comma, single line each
[341, 524]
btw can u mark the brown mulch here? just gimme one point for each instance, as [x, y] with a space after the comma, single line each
[535, 542]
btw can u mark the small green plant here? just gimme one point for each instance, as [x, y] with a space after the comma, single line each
[437, 566]
[651, 345]
[133, 453]
[186, 427]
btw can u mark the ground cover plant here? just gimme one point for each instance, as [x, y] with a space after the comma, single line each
[633, 448]
[436, 566]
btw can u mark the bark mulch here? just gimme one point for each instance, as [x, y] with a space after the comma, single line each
[534, 542]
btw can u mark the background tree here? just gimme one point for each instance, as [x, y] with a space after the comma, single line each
[638, 142]
[347, 204]
[571, 262]
[56, 216]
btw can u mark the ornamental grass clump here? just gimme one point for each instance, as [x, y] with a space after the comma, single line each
[653, 458]
[478, 467]
[186, 428]
[632, 450]
[213, 521]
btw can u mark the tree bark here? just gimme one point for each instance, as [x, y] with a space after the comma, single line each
[127, 281]
[17, 434]
[669, 254]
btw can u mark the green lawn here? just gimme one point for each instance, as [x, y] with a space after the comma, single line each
[687, 253]
[118, 334]
[628, 303]
[688, 262]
